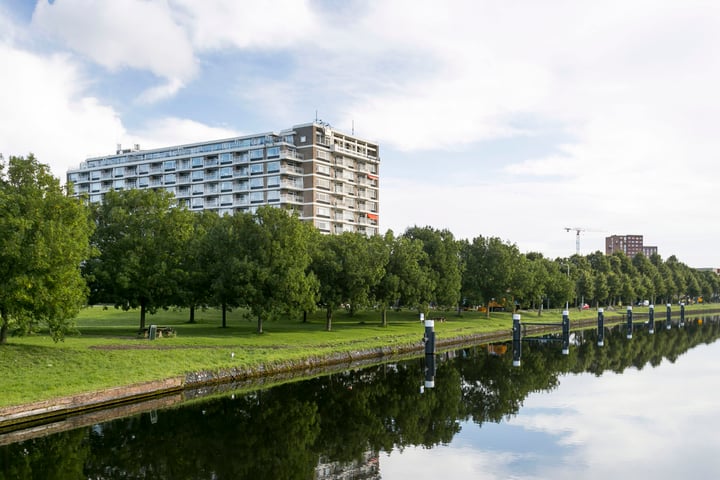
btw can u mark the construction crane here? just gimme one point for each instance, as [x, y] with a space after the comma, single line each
[577, 231]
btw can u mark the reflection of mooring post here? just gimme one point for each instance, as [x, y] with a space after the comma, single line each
[429, 338]
[629, 322]
[601, 327]
[668, 317]
[682, 314]
[429, 371]
[651, 320]
[566, 333]
[517, 343]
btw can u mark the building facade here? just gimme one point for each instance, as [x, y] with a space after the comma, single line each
[630, 245]
[331, 179]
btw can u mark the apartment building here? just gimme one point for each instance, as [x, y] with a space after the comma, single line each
[328, 177]
[628, 244]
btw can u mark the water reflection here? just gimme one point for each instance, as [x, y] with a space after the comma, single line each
[482, 419]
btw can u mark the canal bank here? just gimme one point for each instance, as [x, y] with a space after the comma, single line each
[203, 382]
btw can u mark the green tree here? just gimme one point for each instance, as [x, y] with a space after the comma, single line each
[43, 241]
[406, 278]
[349, 268]
[278, 278]
[140, 239]
[195, 285]
[444, 260]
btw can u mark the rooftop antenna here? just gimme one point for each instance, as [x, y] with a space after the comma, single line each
[353, 127]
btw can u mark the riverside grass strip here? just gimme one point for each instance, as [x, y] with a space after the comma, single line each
[107, 352]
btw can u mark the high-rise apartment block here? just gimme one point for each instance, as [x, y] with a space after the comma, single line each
[630, 245]
[328, 177]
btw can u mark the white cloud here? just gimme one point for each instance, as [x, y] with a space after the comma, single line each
[123, 34]
[166, 131]
[47, 113]
[217, 24]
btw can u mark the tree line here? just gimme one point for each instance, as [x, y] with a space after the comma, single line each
[138, 250]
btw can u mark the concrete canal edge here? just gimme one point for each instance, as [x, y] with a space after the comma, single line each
[20, 416]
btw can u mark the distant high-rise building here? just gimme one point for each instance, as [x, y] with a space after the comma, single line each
[330, 178]
[630, 245]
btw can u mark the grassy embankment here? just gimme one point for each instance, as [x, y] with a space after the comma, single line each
[108, 353]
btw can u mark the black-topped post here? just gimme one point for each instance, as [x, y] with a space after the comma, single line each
[517, 340]
[682, 314]
[429, 337]
[565, 332]
[651, 320]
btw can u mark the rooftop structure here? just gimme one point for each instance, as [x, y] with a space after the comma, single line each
[329, 178]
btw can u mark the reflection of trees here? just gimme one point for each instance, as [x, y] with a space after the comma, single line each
[281, 433]
[57, 457]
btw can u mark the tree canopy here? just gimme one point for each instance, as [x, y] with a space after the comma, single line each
[43, 241]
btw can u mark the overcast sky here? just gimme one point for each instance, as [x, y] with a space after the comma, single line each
[495, 118]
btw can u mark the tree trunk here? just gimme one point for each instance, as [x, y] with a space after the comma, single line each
[259, 325]
[384, 315]
[192, 314]
[304, 316]
[4, 326]
[224, 315]
[142, 316]
[328, 318]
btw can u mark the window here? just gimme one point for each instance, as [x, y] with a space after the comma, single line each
[95, 198]
[256, 168]
[198, 189]
[226, 186]
[323, 212]
[273, 167]
[273, 181]
[170, 190]
[323, 183]
[226, 199]
[256, 154]
[118, 172]
[323, 155]
[323, 197]
[197, 203]
[95, 174]
[196, 162]
[303, 139]
[256, 183]
[143, 182]
[95, 186]
[211, 161]
[143, 169]
[169, 165]
[323, 169]
[273, 196]
[119, 184]
[226, 158]
[169, 178]
[226, 172]
[198, 176]
[256, 197]
[273, 152]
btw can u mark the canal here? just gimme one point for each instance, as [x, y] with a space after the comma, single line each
[634, 408]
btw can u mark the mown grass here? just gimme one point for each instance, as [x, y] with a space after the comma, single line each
[107, 352]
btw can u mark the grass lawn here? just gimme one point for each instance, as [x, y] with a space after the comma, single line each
[108, 353]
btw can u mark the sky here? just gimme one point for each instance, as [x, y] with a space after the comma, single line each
[515, 120]
[658, 422]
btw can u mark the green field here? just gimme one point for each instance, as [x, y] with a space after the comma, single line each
[107, 352]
